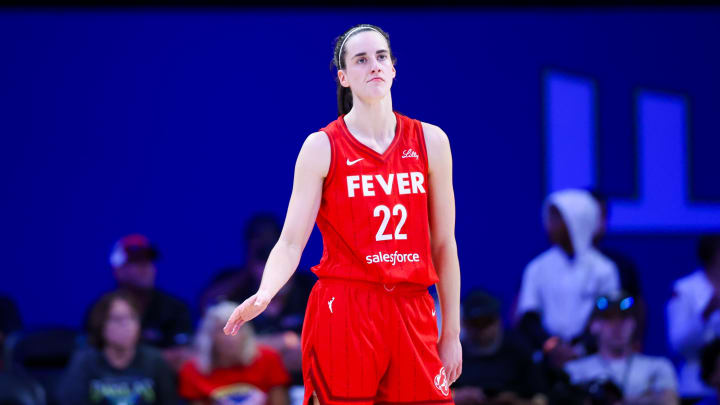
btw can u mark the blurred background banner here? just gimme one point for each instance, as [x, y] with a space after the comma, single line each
[181, 123]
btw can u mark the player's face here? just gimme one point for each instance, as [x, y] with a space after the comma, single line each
[369, 71]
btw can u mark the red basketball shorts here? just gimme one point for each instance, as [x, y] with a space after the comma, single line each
[365, 343]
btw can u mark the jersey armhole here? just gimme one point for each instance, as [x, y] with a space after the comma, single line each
[424, 146]
[331, 167]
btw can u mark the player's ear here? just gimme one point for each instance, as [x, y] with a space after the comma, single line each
[342, 78]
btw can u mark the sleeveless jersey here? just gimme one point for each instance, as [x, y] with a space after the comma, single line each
[374, 210]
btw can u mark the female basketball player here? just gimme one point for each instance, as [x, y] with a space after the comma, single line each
[379, 185]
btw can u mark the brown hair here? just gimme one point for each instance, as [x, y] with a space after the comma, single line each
[100, 313]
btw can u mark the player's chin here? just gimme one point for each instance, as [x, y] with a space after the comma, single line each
[378, 92]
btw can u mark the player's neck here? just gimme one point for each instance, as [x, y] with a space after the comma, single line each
[375, 120]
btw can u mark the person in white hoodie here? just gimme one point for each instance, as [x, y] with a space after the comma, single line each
[693, 314]
[559, 287]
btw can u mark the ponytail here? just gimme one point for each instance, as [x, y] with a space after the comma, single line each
[344, 99]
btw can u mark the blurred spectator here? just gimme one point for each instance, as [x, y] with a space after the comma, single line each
[16, 386]
[116, 369]
[559, 286]
[261, 234]
[497, 366]
[627, 270]
[640, 379]
[694, 315]
[166, 321]
[232, 369]
[9, 323]
[710, 370]
[280, 325]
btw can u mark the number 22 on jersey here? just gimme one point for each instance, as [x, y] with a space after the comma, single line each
[397, 209]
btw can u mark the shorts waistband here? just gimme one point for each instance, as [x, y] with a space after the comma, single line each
[396, 288]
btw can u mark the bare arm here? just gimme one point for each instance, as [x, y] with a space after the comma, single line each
[311, 168]
[444, 247]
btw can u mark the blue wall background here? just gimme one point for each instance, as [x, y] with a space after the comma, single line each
[181, 123]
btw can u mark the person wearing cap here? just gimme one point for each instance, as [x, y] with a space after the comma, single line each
[558, 286]
[693, 314]
[627, 269]
[497, 365]
[640, 378]
[165, 320]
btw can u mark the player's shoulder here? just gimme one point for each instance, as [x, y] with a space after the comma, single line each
[317, 139]
[437, 145]
[316, 144]
[433, 133]
[314, 156]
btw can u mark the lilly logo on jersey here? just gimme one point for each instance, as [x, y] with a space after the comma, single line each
[442, 383]
[409, 153]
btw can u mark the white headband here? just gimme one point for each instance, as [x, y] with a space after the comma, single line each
[348, 35]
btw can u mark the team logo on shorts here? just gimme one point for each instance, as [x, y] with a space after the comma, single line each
[442, 383]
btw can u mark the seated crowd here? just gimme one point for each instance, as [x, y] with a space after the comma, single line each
[575, 336]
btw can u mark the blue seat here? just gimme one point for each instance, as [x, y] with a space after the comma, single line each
[42, 355]
[21, 389]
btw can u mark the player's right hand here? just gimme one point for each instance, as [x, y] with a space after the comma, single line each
[450, 352]
[249, 309]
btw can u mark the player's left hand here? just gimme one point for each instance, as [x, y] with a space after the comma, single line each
[450, 352]
[245, 312]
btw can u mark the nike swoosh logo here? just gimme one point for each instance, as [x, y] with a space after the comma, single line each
[349, 163]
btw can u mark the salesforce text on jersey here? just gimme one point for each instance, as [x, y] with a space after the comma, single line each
[392, 258]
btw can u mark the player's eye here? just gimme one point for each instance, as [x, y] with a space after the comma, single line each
[361, 60]
[382, 56]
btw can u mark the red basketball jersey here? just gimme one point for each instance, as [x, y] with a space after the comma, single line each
[374, 211]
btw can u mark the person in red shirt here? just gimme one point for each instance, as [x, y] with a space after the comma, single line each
[232, 369]
[379, 186]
